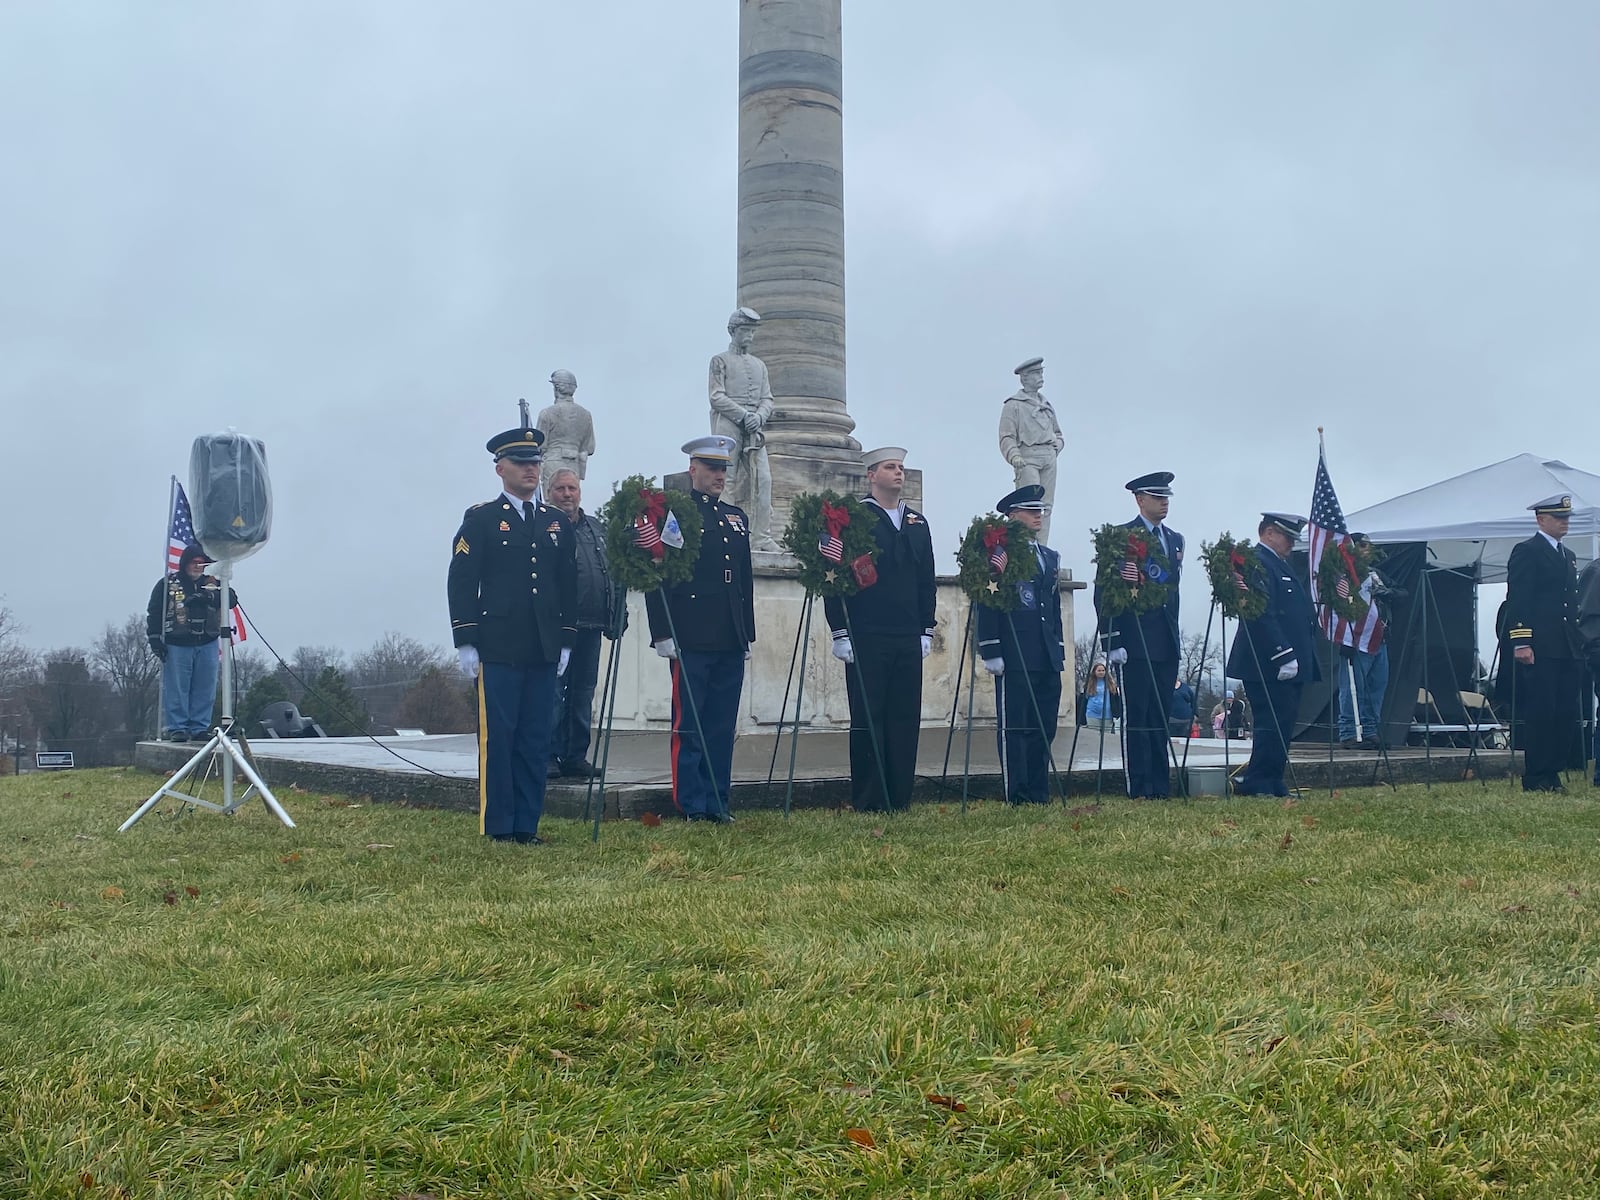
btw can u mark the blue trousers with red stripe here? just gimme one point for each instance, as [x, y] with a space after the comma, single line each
[712, 680]
[515, 716]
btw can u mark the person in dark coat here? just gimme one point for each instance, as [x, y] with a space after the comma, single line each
[1543, 643]
[183, 623]
[513, 594]
[1024, 650]
[705, 627]
[882, 634]
[1144, 646]
[1275, 656]
[1589, 631]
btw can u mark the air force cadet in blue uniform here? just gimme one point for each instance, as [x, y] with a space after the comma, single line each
[1276, 657]
[513, 600]
[1146, 644]
[1025, 652]
[707, 638]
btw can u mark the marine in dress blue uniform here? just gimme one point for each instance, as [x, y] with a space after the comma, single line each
[706, 626]
[1024, 649]
[1275, 655]
[1146, 644]
[1539, 625]
[513, 595]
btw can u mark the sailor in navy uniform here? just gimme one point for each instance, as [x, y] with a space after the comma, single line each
[705, 627]
[1275, 655]
[1146, 645]
[882, 634]
[1539, 625]
[1025, 652]
[513, 605]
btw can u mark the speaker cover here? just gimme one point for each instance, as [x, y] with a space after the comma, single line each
[230, 494]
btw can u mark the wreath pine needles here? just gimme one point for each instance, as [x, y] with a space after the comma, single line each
[845, 519]
[1116, 546]
[1234, 569]
[1349, 564]
[978, 577]
[634, 565]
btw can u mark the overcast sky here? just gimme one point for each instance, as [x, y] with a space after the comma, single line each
[360, 231]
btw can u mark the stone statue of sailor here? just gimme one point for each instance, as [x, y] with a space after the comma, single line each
[1030, 437]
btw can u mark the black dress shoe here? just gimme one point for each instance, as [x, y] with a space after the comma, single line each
[527, 839]
[723, 818]
[502, 837]
[178, 736]
[700, 817]
[578, 768]
[554, 771]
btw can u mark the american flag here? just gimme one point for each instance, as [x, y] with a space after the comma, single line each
[998, 558]
[180, 536]
[1130, 570]
[1327, 528]
[830, 547]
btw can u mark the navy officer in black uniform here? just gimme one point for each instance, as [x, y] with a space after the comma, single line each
[513, 605]
[1025, 651]
[705, 626]
[1146, 645]
[1542, 641]
[882, 634]
[1276, 657]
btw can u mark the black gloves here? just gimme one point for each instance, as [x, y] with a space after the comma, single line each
[158, 648]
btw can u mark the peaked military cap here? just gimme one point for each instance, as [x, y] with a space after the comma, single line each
[1290, 523]
[1027, 365]
[714, 447]
[519, 445]
[872, 458]
[1029, 496]
[743, 316]
[1553, 506]
[1157, 483]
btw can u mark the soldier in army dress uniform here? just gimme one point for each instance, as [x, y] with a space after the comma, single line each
[705, 627]
[513, 600]
[1025, 650]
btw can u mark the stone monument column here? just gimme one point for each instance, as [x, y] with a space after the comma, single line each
[791, 236]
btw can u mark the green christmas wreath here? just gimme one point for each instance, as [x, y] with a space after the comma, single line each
[992, 539]
[1120, 551]
[642, 524]
[1347, 564]
[827, 532]
[1235, 572]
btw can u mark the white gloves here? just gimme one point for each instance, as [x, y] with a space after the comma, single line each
[1288, 671]
[995, 666]
[1117, 657]
[468, 657]
[842, 649]
[927, 645]
[566, 657]
[747, 654]
[667, 648]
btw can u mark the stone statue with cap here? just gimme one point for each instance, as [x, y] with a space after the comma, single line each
[741, 406]
[568, 428]
[1030, 436]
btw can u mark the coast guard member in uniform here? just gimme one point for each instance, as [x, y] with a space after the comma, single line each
[1146, 645]
[705, 627]
[513, 600]
[892, 622]
[1276, 657]
[1025, 652]
[1540, 623]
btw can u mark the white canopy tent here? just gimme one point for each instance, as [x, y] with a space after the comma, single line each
[1475, 518]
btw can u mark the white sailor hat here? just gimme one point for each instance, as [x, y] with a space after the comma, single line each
[872, 458]
[714, 448]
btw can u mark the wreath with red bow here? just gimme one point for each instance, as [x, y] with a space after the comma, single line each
[1235, 571]
[1132, 574]
[1344, 568]
[827, 533]
[643, 524]
[995, 555]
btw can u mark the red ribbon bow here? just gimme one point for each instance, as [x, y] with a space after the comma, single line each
[1138, 547]
[655, 503]
[1237, 559]
[994, 536]
[835, 517]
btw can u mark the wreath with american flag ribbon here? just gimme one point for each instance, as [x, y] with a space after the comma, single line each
[828, 534]
[995, 555]
[1132, 573]
[1344, 568]
[1236, 581]
[652, 536]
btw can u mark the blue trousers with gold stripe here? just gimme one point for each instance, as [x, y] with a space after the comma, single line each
[515, 707]
[713, 679]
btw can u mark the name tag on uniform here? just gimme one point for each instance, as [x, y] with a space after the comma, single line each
[727, 577]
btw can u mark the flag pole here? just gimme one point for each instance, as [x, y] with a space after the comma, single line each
[166, 598]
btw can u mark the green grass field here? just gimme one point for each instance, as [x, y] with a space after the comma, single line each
[1378, 994]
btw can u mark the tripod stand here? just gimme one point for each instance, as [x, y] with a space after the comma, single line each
[222, 747]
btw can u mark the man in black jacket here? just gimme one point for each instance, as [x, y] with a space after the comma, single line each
[1589, 630]
[596, 616]
[183, 623]
[513, 593]
[1540, 623]
[705, 627]
[882, 634]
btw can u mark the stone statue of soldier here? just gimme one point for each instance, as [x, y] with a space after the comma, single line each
[741, 406]
[568, 429]
[1030, 437]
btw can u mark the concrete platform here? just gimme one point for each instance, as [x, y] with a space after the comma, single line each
[442, 770]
